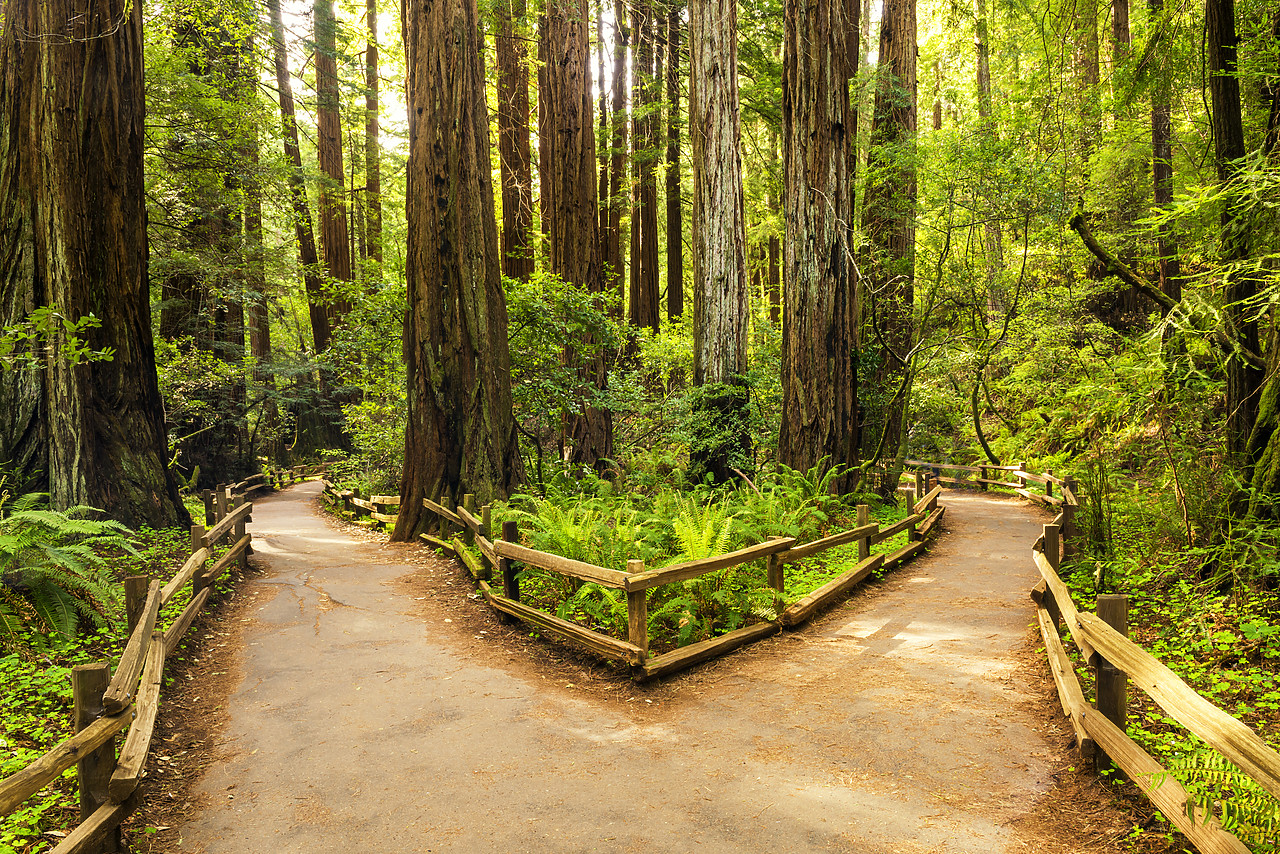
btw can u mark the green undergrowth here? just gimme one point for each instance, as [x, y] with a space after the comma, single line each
[35, 682]
[609, 523]
[1218, 628]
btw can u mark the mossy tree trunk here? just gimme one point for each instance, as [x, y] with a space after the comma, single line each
[73, 238]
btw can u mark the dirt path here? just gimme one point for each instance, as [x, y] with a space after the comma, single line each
[373, 716]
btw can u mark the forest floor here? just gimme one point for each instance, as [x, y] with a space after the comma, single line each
[356, 696]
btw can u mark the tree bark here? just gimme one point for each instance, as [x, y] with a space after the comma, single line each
[73, 238]
[334, 235]
[308, 258]
[643, 301]
[461, 436]
[372, 144]
[615, 272]
[571, 203]
[720, 299]
[819, 353]
[1167, 263]
[890, 218]
[675, 219]
[513, 142]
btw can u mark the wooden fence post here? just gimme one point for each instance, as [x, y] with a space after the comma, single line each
[1022, 481]
[638, 612]
[469, 504]
[224, 502]
[239, 535]
[510, 585]
[486, 522]
[209, 518]
[982, 478]
[921, 482]
[1069, 519]
[135, 596]
[1052, 538]
[93, 773]
[776, 576]
[1048, 484]
[1112, 682]
[864, 544]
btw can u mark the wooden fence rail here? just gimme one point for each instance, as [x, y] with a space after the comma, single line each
[1100, 731]
[130, 700]
[502, 556]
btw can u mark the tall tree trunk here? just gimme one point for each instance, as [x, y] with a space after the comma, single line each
[890, 220]
[308, 258]
[259, 319]
[372, 144]
[643, 302]
[819, 351]
[993, 238]
[334, 239]
[1087, 76]
[720, 299]
[675, 220]
[513, 142]
[461, 435]
[1243, 379]
[614, 270]
[570, 191]
[73, 238]
[1120, 37]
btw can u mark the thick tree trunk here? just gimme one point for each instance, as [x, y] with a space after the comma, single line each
[719, 284]
[461, 436]
[334, 235]
[372, 144]
[643, 302]
[819, 353]
[890, 222]
[675, 219]
[73, 238]
[993, 238]
[513, 142]
[570, 196]
[268, 428]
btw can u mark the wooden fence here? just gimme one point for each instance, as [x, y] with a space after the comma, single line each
[106, 704]
[502, 556]
[1102, 642]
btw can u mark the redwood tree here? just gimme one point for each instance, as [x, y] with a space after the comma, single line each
[720, 303]
[569, 196]
[514, 155]
[73, 240]
[819, 351]
[461, 436]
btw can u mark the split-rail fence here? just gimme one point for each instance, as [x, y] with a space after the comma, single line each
[127, 701]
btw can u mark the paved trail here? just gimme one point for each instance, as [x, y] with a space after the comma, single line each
[903, 721]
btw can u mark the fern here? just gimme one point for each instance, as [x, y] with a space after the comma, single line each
[52, 573]
[1216, 786]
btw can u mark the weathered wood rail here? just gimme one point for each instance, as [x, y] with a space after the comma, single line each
[129, 700]
[365, 511]
[1100, 728]
[502, 555]
[1014, 477]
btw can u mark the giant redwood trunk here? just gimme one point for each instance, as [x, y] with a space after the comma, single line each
[73, 239]
[819, 350]
[569, 195]
[615, 272]
[461, 436]
[889, 219]
[722, 440]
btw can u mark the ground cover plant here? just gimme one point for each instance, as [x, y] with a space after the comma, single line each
[38, 654]
[608, 523]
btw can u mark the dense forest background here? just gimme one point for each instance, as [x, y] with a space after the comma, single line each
[582, 253]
